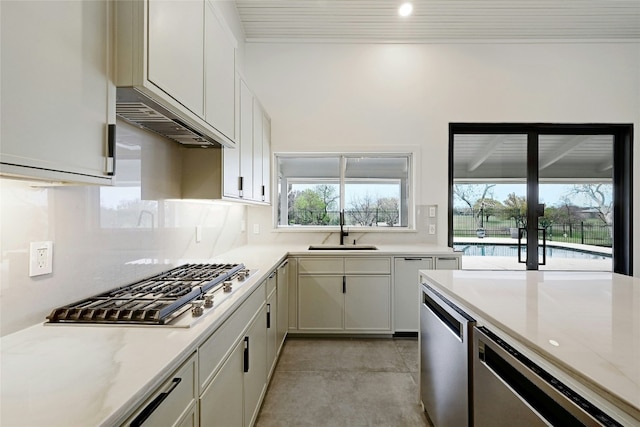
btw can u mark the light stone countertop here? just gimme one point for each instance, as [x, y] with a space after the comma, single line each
[85, 375]
[584, 325]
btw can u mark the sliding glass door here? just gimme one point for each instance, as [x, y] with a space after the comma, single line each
[559, 192]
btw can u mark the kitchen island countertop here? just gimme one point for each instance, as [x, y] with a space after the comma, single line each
[584, 327]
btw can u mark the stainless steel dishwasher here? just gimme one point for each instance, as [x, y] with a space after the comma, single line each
[445, 360]
[510, 390]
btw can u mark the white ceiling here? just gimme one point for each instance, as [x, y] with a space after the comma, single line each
[504, 157]
[439, 20]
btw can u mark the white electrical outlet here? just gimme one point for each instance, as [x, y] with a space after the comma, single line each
[198, 233]
[40, 258]
[256, 228]
[432, 229]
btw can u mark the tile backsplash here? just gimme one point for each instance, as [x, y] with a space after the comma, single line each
[104, 237]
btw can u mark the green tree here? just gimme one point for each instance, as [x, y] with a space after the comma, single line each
[309, 208]
[516, 208]
[488, 208]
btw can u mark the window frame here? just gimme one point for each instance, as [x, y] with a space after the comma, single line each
[343, 156]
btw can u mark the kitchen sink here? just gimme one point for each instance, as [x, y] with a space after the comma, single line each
[342, 248]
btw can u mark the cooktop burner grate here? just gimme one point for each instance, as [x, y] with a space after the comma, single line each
[154, 300]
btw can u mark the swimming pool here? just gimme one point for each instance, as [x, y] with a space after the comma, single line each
[483, 249]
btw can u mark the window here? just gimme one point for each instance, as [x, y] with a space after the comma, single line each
[372, 189]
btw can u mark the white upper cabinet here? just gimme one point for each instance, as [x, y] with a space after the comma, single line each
[176, 50]
[257, 151]
[220, 71]
[246, 142]
[247, 168]
[266, 158]
[176, 58]
[55, 90]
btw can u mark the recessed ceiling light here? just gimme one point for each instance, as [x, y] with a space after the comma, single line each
[405, 9]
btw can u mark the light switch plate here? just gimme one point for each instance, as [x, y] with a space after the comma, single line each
[432, 211]
[198, 233]
[40, 258]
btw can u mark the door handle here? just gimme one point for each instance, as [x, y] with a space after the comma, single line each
[246, 354]
[268, 316]
[111, 149]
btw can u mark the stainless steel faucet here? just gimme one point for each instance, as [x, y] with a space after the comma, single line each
[343, 233]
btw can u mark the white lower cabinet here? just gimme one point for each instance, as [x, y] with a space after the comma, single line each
[233, 397]
[320, 303]
[350, 294]
[221, 404]
[173, 403]
[406, 288]
[406, 313]
[233, 366]
[367, 303]
[272, 331]
[255, 367]
[282, 290]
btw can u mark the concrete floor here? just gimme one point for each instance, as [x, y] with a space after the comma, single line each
[345, 382]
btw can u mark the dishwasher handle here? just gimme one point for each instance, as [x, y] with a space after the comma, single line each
[449, 315]
[551, 399]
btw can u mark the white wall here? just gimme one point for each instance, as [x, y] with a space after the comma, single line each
[342, 97]
[104, 237]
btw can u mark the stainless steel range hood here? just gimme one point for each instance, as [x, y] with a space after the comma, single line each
[140, 110]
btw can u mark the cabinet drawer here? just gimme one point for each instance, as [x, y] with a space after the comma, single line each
[367, 265]
[171, 401]
[213, 351]
[271, 283]
[447, 263]
[321, 265]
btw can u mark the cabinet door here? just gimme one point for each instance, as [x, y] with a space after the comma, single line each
[257, 150]
[282, 289]
[272, 336]
[266, 158]
[176, 50]
[190, 419]
[55, 85]
[406, 292]
[447, 263]
[255, 377]
[246, 141]
[320, 302]
[172, 403]
[219, 74]
[367, 301]
[221, 402]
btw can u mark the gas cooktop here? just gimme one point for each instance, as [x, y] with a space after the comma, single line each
[163, 299]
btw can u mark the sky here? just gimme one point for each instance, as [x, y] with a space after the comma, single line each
[550, 194]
